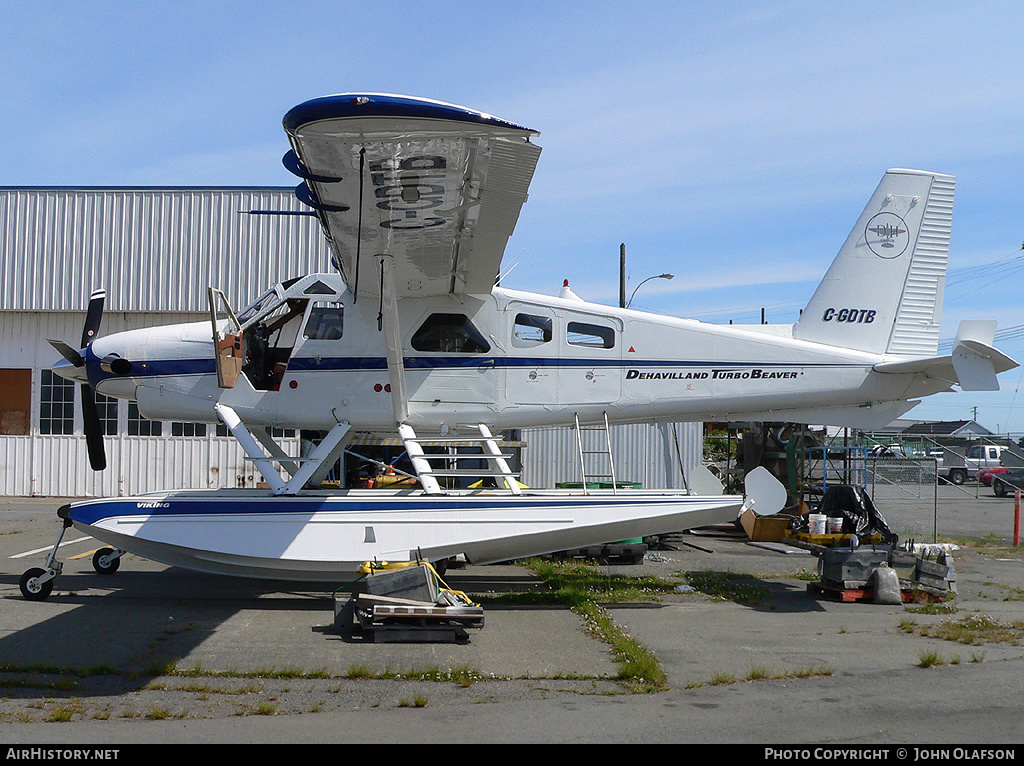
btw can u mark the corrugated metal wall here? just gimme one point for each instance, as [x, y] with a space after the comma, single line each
[152, 249]
[658, 456]
[58, 466]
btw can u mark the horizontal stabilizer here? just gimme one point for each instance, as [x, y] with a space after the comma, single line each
[973, 363]
[975, 360]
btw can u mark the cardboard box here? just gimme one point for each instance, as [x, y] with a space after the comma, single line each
[764, 529]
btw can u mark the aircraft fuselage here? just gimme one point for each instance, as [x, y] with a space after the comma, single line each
[511, 359]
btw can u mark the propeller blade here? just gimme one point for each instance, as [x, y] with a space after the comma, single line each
[93, 429]
[93, 317]
[67, 352]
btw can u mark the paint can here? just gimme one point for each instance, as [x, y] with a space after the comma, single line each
[817, 523]
[835, 525]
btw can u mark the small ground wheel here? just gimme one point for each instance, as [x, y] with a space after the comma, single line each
[102, 562]
[32, 588]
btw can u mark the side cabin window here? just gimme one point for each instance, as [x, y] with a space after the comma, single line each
[326, 322]
[590, 335]
[449, 333]
[531, 330]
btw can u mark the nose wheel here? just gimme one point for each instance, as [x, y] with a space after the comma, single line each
[37, 584]
[106, 560]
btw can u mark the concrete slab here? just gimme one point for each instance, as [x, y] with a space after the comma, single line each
[271, 669]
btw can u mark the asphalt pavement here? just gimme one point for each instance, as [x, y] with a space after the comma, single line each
[262, 662]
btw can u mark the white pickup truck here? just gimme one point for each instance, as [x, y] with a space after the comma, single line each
[957, 470]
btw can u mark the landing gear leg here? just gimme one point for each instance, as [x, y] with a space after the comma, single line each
[37, 584]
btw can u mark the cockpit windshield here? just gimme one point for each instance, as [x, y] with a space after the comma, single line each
[322, 287]
[262, 305]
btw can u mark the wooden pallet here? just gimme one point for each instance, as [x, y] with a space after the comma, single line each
[852, 595]
[387, 619]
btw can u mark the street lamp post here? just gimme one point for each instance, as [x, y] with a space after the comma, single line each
[656, 276]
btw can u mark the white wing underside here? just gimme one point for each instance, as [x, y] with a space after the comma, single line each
[441, 196]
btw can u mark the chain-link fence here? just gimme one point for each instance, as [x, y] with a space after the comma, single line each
[905, 493]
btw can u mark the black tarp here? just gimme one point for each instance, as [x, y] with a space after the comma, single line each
[854, 506]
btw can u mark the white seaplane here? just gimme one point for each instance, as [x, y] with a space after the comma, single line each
[413, 335]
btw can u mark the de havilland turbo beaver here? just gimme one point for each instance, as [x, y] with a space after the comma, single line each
[412, 335]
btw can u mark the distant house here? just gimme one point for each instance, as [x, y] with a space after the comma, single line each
[949, 429]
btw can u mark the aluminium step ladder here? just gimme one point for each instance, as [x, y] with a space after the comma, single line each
[606, 452]
[497, 461]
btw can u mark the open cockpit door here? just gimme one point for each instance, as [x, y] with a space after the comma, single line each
[228, 340]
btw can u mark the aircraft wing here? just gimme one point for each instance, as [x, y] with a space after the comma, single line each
[436, 186]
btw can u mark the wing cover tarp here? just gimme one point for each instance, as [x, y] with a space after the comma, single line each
[437, 187]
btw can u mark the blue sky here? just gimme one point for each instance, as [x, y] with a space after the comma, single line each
[732, 145]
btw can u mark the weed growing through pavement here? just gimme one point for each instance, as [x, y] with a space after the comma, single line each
[584, 588]
[971, 630]
[763, 673]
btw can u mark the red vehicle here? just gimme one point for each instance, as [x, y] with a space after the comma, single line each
[985, 474]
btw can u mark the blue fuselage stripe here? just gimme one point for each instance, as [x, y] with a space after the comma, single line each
[175, 367]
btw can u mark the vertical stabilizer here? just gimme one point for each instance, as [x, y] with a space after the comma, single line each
[883, 291]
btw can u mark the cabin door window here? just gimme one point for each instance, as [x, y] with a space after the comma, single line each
[531, 375]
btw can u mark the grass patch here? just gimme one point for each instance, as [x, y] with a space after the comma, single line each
[977, 629]
[807, 576]
[571, 582]
[722, 678]
[583, 588]
[360, 671]
[463, 675]
[970, 630]
[988, 545]
[95, 670]
[764, 673]
[283, 674]
[64, 713]
[1012, 593]
[639, 668]
[741, 588]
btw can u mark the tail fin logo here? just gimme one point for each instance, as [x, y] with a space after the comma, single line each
[887, 235]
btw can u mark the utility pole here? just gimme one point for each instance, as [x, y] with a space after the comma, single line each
[622, 275]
